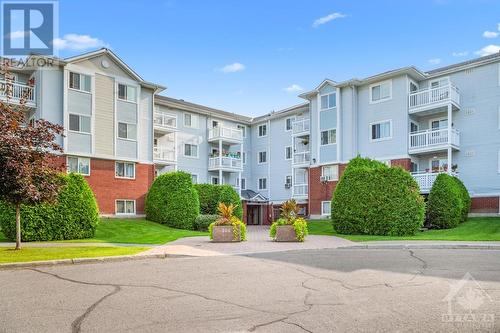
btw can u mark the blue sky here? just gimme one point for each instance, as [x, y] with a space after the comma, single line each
[241, 56]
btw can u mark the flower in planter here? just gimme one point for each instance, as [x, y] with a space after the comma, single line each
[226, 218]
[289, 216]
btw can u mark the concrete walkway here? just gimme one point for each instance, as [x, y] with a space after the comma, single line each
[258, 241]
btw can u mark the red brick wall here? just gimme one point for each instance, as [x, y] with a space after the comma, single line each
[485, 205]
[107, 188]
[405, 163]
[319, 191]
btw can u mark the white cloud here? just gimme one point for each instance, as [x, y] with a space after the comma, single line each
[490, 34]
[293, 88]
[460, 54]
[435, 61]
[233, 68]
[77, 42]
[487, 50]
[328, 18]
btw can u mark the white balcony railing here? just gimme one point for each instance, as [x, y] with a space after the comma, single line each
[300, 190]
[432, 138]
[17, 91]
[301, 158]
[232, 163]
[301, 126]
[164, 120]
[222, 132]
[425, 180]
[427, 97]
[164, 154]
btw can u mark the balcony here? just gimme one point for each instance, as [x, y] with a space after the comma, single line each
[164, 122]
[167, 155]
[301, 127]
[226, 134]
[16, 92]
[300, 191]
[225, 163]
[433, 98]
[301, 158]
[432, 140]
[425, 180]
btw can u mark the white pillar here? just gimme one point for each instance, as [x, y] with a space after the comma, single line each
[220, 161]
[450, 151]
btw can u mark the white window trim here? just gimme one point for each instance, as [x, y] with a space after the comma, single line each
[127, 85]
[245, 181]
[327, 144]
[197, 177]
[215, 177]
[258, 184]
[192, 115]
[79, 90]
[330, 165]
[258, 131]
[328, 108]
[126, 214]
[244, 159]
[380, 122]
[78, 162]
[371, 101]
[127, 178]
[118, 131]
[447, 78]
[291, 123]
[410, 81]
[291, 179]
[291, 153]
[258, 157]
[322, 212]
[80, 115]
[243, 130]
[190, 156]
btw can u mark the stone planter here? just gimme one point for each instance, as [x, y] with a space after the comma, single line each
[285, 233]
[224, 234]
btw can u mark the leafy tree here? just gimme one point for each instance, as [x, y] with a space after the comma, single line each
[29, 164]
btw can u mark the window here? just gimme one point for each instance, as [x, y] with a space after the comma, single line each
[243, 184]
[288, 181]
[262, 156]
[381, 131]
[329, 137]
[127, 131]
[125, 207]
[244, 157]
[79, 81]
[288, 153]
[381, 91]
[125, 170]
[326, 207]
[413, 127]
[262, 183]
[79, 123]
[243, 129]
[194, 178]
[330, 172]
[191, 150]
[262, 130]
[328, 101]
[215, 123]
[127, 93]
[439, 82]
[79, 165]
[288, 124]
[190, 120]
[414, 167]
[215, 180]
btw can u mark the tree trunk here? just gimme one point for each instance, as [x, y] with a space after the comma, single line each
[18, 226]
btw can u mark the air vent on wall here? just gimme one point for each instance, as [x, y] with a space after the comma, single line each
[470, 153]
[469, 111]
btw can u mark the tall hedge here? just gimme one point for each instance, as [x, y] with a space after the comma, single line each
[445, 205]
[374, 199]
[466, 200]
[173, 200]
[210, 196]
[75, 215]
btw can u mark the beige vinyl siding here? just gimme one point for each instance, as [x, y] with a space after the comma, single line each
[104, 115]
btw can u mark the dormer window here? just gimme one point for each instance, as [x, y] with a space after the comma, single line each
[328, 101]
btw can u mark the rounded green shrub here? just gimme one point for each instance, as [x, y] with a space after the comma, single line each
[75, 215]
[210, 195]
[203, 221]
[445, 203]
[465, 196]
[172, 200]
[374, 199]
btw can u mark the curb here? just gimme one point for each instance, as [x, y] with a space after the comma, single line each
[423, 247]
[77, 261]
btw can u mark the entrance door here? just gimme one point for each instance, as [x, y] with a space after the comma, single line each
[253, 214]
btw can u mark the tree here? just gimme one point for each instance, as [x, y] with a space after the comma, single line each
[29, 158]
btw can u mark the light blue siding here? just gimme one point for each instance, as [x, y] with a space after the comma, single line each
[79, 102]
[126, 149]
[126, 112]
[79, 143]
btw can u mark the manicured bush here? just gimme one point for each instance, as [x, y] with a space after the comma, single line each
[210, 196]
[203, 221]
[75, 215]
[173, 200]
[466, 200]
[374, 199]
[445, 203]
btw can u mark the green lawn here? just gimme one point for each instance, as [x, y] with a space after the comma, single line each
[475, 229]
[50, 253]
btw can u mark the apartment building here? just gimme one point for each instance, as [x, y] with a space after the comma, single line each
[120, 133]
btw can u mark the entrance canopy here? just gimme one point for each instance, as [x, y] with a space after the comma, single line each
[252, 196]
